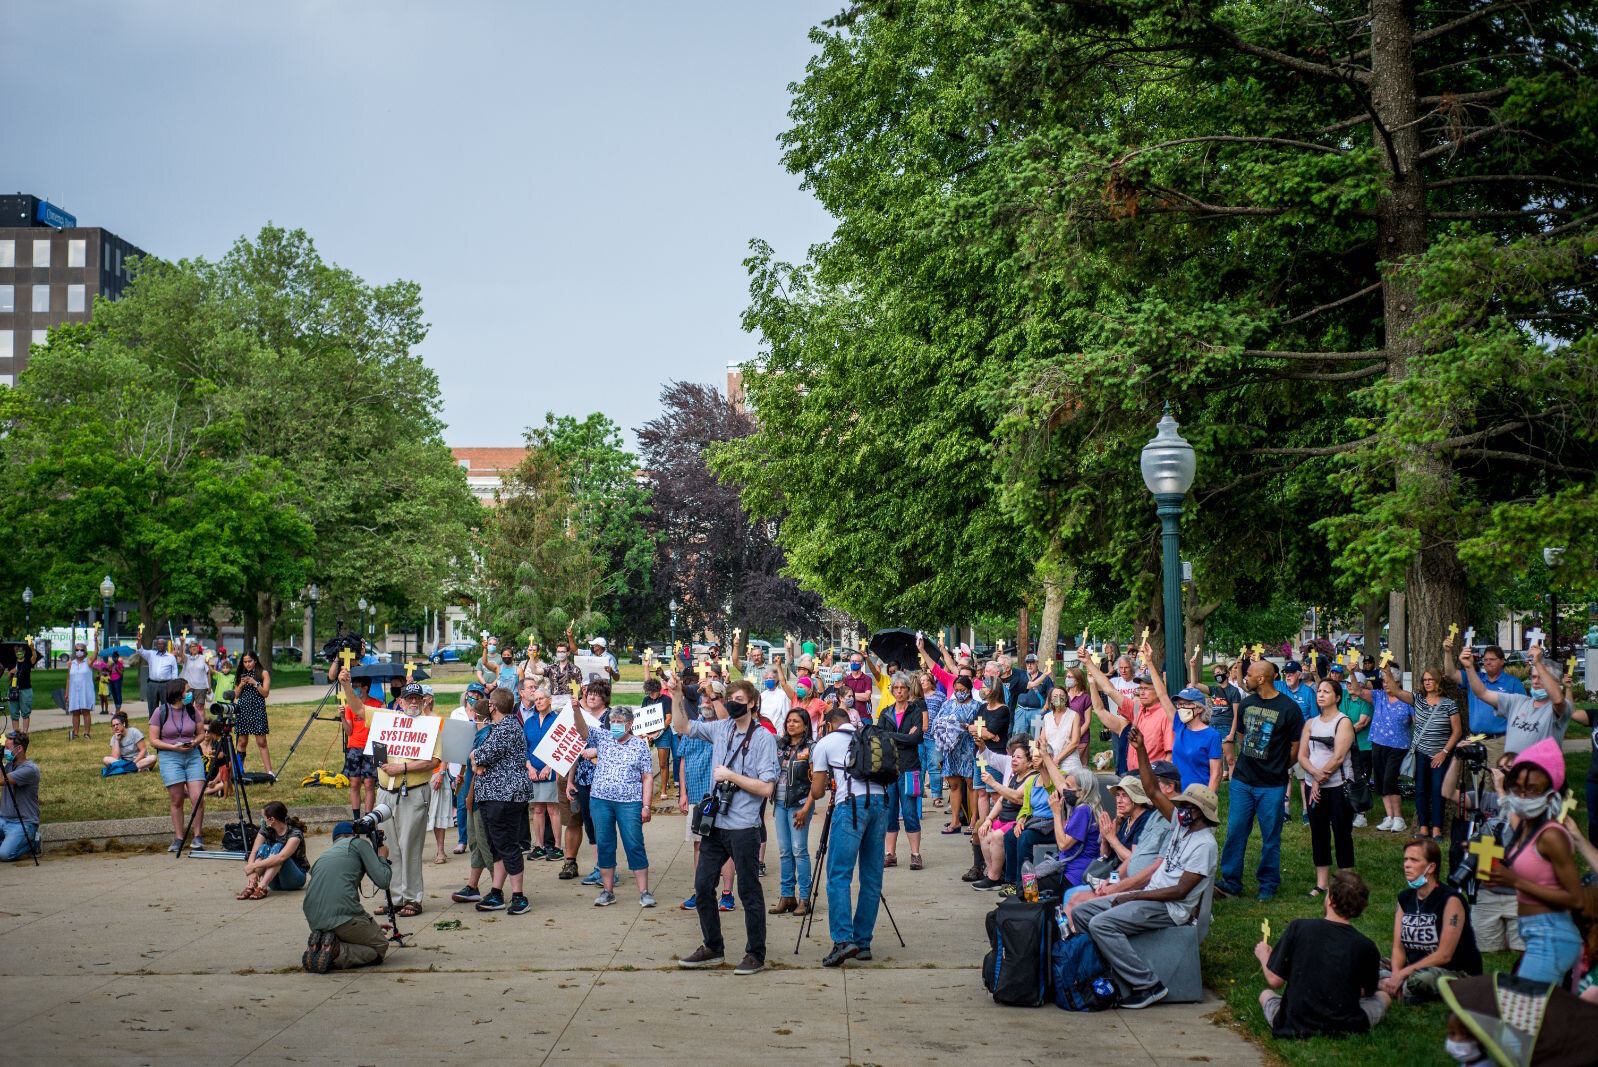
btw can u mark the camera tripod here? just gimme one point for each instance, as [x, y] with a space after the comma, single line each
[1463, 876]
[808, 921]
[241, 806]
[11, 795]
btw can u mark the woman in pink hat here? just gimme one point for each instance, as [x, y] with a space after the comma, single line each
[1539, 864]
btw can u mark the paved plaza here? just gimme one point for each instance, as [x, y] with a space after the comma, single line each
[132, 958]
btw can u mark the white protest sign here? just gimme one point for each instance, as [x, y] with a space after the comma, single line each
[562, 744]
[458, 737]
[649, 719]
[593, 667]
[407, 737]
[561, 702]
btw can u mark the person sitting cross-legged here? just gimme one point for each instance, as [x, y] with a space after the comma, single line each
[1330, 969]
[1167, 893]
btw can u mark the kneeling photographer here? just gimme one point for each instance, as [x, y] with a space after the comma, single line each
[744, 758]
[342, 933]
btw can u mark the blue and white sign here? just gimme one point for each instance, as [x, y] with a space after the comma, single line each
[47, 214]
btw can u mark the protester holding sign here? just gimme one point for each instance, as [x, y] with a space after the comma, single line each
[623, 780]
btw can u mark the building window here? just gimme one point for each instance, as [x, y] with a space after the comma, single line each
[119, 261]
[8, 298]
[75, 298]
[39, 338]
[7, 380]
[41, 253]
[5, 344]
[41, 298]
[8, 253]
[77, 252]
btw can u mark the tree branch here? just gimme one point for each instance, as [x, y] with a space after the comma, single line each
[1312, 312]
[1227, 139]
[1528, 213]
[1330, 357]
[1490, 179]
[1292, 62]
[1520, 457]
[1467, 98]
[1444, 28]
[1450, 147]
[1337, 376]
[1195, 204]
[1323, 450]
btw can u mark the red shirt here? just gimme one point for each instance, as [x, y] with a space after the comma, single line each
[1153, 723]
[359, 728]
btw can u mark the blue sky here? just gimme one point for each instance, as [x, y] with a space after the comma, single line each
[573, 185]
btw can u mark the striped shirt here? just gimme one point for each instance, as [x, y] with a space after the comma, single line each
[1432, 725]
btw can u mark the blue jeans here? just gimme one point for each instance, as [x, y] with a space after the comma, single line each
[932, 767]
[626, 818]
[901, 804]
[1245, 804]
[15, 835]
[793, 847]
[856, 839]
[1120, 745]
[289, 876]
[461, 817]
[1018, 850]
[1429, 791]
[1552, 945]
[1026, 720]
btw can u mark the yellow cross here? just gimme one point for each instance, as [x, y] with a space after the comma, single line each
[1196, 650]
[410, 669]
[998, 647]
[1048, 667]
[1259, 650]
[184, 634]
[862, 644]
[1265, 930]
[141, 627]
[1486, 850]
[1570, 667]
[347, 657]
[676, 647]
[1145, 637]
[1242, 652]
[1567, 806]
[1387, 657]
[1453, 632]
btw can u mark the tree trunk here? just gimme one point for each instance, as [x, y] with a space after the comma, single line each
[1049, 627]
[248, 623]
[1435, 582]
[1398, 627]
[1197, 616]
[1023, 634]
[1371, 613]
[265, 620]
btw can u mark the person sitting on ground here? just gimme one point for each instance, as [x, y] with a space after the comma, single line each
[1169, 893]
[279, 861]
[1330, 969]
[1432, 937]
[19, 800]
[342, 933]
[128, 745]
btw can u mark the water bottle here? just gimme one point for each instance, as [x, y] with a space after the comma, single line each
[1029, 882]
[1062, 922]
[1104, 988]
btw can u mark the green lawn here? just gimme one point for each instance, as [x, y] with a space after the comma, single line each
[1409, 1035]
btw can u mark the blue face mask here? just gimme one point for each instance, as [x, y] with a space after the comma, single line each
[771, 683]
[188, 698]
[1417, 883]
[856, 666]
[1539, 694]
[617, 731]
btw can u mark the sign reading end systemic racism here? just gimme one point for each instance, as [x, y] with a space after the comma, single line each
[562, 743]
[407, 736]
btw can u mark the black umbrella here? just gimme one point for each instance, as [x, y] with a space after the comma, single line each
[371, 672]
[10, 651]
[898, 645]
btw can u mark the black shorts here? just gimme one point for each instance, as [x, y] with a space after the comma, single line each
[503, 821]
[358, 764]
[1385, 764]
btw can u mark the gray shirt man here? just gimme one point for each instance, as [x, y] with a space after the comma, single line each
[760, 761]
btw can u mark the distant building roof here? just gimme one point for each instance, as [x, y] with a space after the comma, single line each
[486, 467]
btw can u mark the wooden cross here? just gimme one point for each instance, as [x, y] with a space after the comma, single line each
[736, 633]
[1265, 930]
[1534, 636]
[347, 657]
[1470, 636]
[676, 647]
[141, 629]
[1570, 668]
[184, 633]
[1568, 805]
[1048, 667]
[410, 669]
[1314, 658]
[1486, 850]
[1196, 651]
[1387, 657]
[1259, 650]
[1242, 652]
[1453, 632]
[998, 647]
[862, 644]
[1145, 640]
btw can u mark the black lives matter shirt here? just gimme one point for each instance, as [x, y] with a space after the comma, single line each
[1267, 729]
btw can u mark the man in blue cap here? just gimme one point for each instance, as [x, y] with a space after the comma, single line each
[342, 933]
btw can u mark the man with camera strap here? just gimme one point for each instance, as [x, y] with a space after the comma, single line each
[744, 756]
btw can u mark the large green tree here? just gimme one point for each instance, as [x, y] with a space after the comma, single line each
[1351, 243]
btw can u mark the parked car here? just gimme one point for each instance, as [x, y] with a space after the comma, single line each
[287, 654]
[661, 649]
[454, 652]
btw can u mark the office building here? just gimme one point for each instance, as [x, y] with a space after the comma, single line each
[51, 271]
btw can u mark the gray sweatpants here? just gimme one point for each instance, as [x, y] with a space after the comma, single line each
[1112, 927]
[407, 841]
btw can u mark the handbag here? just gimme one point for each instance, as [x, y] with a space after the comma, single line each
[1359, 794]
[1407, 768]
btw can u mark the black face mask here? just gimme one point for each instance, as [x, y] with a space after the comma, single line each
[737, 709]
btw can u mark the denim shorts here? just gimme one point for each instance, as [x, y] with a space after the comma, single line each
[180, 767]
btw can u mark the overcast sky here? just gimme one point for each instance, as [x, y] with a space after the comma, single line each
[573, 185]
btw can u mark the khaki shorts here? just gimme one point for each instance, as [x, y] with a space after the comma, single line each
[1495, 920]
[568, 817]
[1373, 1007]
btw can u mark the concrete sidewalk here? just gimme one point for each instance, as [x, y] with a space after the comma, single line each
[144, 958]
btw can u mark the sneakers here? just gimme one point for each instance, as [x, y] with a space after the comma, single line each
[1359, 821]
[691, 904]
[891, 860]
[975, 874]
[1398, 824]
[568, 870]
[197, 845]
[593, 878]
[646, 899]
[985, 884]
[176, 845]
[536, 853]
[321, 949]
[1006, 890]
[750, 965]
[555, 855]
[466, 894]
[700, 957]
[1143, 998]
[726, 902]
[495, 901]
[518, 905]
[915, 861]
[605, 899]
[841, 950]
[863, 956]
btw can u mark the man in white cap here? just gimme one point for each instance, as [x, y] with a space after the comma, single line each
[598, 646]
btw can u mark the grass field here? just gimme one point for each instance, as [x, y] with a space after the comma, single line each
[1409, 1035]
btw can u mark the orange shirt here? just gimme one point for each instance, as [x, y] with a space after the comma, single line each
[359, 728]
[1153, 723]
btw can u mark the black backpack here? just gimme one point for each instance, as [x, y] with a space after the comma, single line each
[873, 757]
[1019, 967]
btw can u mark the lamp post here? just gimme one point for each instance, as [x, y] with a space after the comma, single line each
[672, 606]
[1168, 466]
[27, 608]
[108, 589]
[371, 622]
[1551, 558]
[312, 595]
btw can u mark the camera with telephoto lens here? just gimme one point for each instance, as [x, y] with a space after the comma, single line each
[366, 825]
[224, 709]
[715, 802]
[353, 642]
[1472, 753]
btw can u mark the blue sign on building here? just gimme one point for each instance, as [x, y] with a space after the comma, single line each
[47, 214]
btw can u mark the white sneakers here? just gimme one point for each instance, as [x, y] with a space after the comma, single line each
[1392, 824]
[1359, 821]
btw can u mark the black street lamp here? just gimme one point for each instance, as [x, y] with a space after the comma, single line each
[1551, 558]
[27, 608]
[313, 594]
[1168, 467]
[108, 589]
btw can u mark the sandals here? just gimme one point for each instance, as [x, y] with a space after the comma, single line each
[409, 910]
[244, 894]
[260, 892]
[1316, 892]
[459, 850]
[440, 859]
[947, 829]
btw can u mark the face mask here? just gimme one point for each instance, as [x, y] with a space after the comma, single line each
[1539, 694]
[1186, 815]
[1462, 1050]
[1528, 807]
[1185, 713]
[804, 694]
[1417, 883]
[617, 731]
[80, 654]
[771, 683]
[561, 656]
[188, 698]
[504, 659]
[737, 709]
[856, 666]
[835, 677]
[1068, 796]
[1220, 679]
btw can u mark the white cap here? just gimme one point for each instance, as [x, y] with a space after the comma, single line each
[600, 641]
